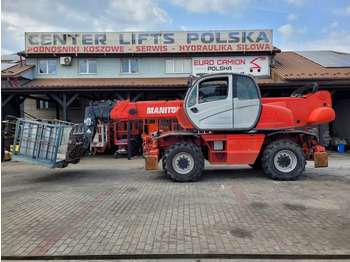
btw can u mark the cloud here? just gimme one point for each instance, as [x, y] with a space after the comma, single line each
[330, 27]
[207, 6]
[292, 17]
[289, 33]
[13, 26]
[138, 14]
[342, 12]
[77, 15]
[286, 30]
[296, 2]
[183, 28]
[335, 41]
[291, 40]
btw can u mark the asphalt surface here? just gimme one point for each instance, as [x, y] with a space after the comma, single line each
[106, 208]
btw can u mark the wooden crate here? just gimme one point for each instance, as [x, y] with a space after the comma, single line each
[151, 162]
[321, 159]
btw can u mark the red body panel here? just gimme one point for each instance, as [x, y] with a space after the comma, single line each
[291, 112]
[153, 115]
[183, 120]
[236, 149]
[126, 110]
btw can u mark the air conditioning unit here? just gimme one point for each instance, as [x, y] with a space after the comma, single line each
[66, 61]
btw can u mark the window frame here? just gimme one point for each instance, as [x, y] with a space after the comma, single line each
[174, 60]
[45, 104]
[47, 66]
[130, 66]
[88, 60]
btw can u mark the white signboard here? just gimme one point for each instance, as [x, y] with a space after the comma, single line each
[149, 42]
[256, 65]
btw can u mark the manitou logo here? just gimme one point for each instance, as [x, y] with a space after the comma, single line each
[162, 110]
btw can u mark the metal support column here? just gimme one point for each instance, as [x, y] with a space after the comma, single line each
[129, 140]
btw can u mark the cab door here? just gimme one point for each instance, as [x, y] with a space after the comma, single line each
[209, 106]
[246, 102]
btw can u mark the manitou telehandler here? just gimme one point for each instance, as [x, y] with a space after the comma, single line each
[223, 119]
[235, 125]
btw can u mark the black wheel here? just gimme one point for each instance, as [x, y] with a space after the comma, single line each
[164, 160]
[283, 160]
[183, 162]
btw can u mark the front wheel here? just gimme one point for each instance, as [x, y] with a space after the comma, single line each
[283, 160]
[183, 162]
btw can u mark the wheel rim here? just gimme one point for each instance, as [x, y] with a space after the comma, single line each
[285, 161]
[183, 163]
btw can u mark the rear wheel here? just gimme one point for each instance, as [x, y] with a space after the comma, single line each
[283, 160]
[183, 162]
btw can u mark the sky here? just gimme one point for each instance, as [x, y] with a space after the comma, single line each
[298, 25]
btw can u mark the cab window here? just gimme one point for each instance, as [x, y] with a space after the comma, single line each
[245, 88]
[192, 100]
[213, 90]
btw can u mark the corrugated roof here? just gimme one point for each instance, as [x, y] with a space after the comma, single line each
[15, 70]
[115, 82]
[291, 66]
[11, 57]
[327, 58]
[107, 82]
[5, 66]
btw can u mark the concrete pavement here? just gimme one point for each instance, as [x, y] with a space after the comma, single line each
[107, 206]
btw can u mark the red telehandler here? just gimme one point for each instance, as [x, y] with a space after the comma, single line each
[234, 125]
[224, 119]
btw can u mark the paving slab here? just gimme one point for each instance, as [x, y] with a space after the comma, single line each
[107, 206]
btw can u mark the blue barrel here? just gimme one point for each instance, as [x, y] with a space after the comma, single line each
[341, 148]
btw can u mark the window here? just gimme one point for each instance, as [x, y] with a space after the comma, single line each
[193, 97]
[87, 66]
[47, 66]
[246, 88]
[178, 65]
[213, 90]
[44, 104]
[130, 66]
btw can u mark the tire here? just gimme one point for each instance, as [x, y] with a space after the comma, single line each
[164, 160]
[183, 162]
[283, 160]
